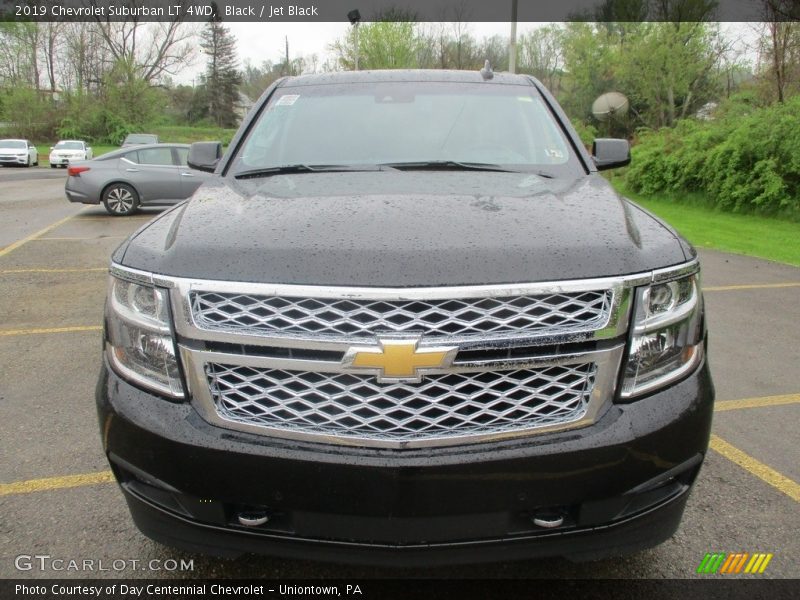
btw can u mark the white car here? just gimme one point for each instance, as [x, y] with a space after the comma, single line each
[18, 152]
[67, 151]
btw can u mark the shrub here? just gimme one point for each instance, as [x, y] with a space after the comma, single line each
[587, 132]
[745, 160]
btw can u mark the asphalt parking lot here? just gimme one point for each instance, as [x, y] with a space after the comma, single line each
[56, 493]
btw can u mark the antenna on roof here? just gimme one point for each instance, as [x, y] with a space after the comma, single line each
[486, 71]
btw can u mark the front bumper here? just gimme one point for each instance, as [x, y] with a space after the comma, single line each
[63, 160]
[14, 160]
[620, 484]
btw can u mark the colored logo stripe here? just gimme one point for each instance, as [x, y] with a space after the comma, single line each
[711, 562]
[723, 563]
[734, 563]
[758, 564]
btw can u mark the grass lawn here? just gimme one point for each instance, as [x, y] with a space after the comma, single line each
[773, 239]
[179, 134]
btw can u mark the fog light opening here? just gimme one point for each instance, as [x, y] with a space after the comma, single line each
[252, 518]
[548, 519]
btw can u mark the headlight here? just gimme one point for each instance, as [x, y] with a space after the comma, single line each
[140, 345]
[667, 336]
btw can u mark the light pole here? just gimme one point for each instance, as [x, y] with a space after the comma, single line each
[355, 18]
[512, 44]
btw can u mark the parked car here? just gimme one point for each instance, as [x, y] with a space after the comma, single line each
[67, 151]
[125, 179]
[138, 139]
[18, 153]
[406, 322]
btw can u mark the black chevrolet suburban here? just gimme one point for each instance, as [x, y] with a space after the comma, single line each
[406, 322]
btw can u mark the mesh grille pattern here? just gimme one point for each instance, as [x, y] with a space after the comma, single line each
[442, 406]
[359, 318]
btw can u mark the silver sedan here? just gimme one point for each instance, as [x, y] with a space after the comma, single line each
[124, 180]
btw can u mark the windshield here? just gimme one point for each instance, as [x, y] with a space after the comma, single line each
[69, 146]
[395, 123]
[13, 144]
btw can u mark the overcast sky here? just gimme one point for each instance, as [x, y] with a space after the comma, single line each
[258, 42]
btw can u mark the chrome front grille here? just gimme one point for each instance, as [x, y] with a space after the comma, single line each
[280, 360]
[442, 407]
[358, 318]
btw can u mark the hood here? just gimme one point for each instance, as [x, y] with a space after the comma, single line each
[401, 229]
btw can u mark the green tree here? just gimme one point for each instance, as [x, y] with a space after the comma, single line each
[30, 114]
[128, 96]
[381, 45]
[668, 70]
[590, 65]
[19, 59]
[780, 47]
[539, 53]
[222, 77]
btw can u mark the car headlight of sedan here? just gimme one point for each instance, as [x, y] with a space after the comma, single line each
[667, 337]
[139, 344]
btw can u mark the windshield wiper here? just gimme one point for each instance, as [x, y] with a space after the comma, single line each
[300, 168]
[449, 165]
[543, 174]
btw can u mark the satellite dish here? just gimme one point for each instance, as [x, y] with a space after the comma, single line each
[609, 106]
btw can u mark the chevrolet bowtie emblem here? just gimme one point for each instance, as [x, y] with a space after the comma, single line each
[398, 360]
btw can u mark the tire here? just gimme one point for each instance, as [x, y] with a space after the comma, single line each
[27, 164]
[36, 163]
[53, 166]
[120, 199]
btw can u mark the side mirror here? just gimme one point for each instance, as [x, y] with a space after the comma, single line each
[610, 153]
[204, 156]
[88, 148]
[52, 147]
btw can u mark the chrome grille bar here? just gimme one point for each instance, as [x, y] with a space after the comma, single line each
[322, 401]
[350, 318]
[331, 318]
[445, 406]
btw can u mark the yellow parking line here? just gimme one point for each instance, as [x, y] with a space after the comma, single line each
[79, 239]
[10, 332]
[75, 270]
[55, 483]
[110, 219]
[756, 402]
[751, 286]
[33, 236]
[754, 467]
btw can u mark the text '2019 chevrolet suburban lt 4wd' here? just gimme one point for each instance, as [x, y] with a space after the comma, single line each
[406, 322]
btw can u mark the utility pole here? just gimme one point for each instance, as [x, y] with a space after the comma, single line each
[512, 44]
[288, 70]
[355, 18]
[356, 34]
